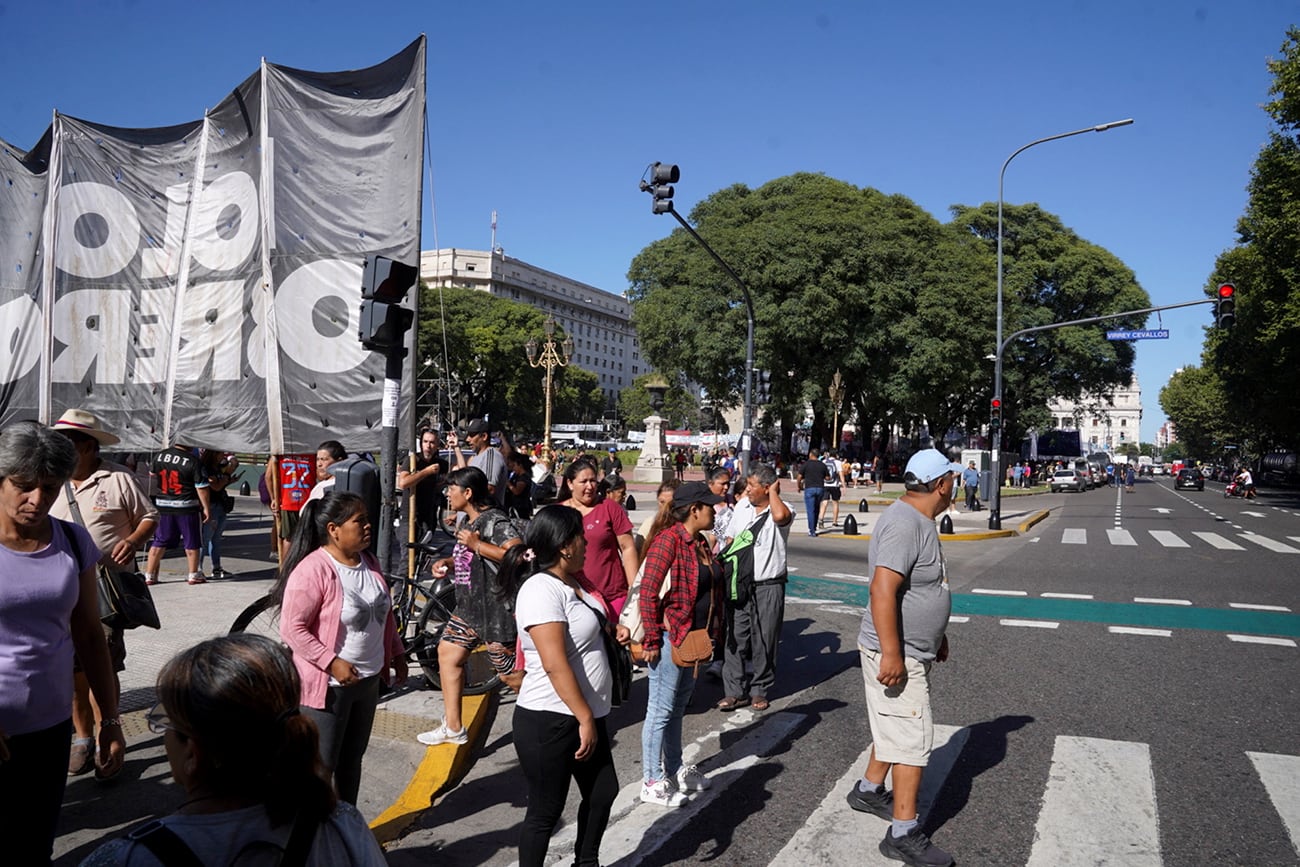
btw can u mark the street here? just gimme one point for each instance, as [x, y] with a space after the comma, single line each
[1122, 690]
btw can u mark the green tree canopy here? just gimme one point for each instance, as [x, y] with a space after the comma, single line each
[1258, 360]
[1193, 400]
[485, 369]
[850, 279]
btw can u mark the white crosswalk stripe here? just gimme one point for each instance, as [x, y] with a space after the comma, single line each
[1168, 538]
[1281, 778]
[1077, 827]
[1219, 542]
[1122, 538]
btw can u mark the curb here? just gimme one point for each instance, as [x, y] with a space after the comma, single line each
[443, 767]
[1033, 519]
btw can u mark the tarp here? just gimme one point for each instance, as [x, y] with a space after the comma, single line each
[200, 283]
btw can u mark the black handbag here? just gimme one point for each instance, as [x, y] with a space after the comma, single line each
[620, 659]
[124, 599]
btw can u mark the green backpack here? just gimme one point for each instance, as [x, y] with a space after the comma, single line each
[738, 563]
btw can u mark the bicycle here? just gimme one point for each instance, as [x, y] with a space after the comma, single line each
[422, 606]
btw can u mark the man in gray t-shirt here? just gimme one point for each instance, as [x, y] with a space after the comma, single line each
[486, 458]
[902, 634]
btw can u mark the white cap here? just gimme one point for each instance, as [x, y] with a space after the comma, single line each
[929, 464]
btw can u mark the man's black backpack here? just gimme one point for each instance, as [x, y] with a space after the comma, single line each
[738, 563]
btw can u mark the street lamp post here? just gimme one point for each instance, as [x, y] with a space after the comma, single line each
[995, 501]
[836, 391]
[550, 359]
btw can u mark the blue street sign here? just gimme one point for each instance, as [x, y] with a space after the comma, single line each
[1161, 334]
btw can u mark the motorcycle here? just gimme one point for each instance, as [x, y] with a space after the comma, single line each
[1235, 489]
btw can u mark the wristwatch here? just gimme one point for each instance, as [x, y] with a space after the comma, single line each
[115, 721]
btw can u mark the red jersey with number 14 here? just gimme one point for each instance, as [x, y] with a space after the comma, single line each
[297, 476]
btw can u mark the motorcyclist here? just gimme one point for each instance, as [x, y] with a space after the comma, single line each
[1246, 482]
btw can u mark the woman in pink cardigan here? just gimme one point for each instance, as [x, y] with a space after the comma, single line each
[337, 618]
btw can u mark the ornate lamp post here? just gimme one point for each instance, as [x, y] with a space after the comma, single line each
[836, 391]
[550, 359]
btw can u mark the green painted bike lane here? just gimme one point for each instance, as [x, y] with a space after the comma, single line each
[1236, 620]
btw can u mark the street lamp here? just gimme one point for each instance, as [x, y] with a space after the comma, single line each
[550, 359]
[836, 391]
[995, 502]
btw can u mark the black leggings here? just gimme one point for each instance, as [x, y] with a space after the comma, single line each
[31, 792]
[344, 726]
[545, 742]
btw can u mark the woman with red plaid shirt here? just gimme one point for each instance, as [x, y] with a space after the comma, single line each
[693, 601]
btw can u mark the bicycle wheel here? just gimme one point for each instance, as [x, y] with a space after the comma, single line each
[260, 618]
[479, 675]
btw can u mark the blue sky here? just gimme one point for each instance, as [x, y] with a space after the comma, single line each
[549, 112]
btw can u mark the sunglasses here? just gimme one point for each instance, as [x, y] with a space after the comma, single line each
[158, 721]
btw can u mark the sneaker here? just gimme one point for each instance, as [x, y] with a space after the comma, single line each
[443, 735]
[689, 779]
[876, 803]
[151, 580]
[661, 794]
[221, 573]
[196, 578]
[82, 758]
[914, 848]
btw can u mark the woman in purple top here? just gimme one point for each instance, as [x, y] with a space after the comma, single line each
[49, 607]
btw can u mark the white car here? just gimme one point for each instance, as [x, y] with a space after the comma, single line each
[1063, 480]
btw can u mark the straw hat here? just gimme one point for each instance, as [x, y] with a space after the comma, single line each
[86, 423]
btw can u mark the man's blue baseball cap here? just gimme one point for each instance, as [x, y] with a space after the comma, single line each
[929, 464]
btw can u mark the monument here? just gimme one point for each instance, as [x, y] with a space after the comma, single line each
[654, 464]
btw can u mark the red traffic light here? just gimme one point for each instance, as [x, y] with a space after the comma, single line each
[997, 403]
[1226, 290]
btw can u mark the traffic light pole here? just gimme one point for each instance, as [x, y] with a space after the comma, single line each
[995, 501]
[747, 435]
[393, 359]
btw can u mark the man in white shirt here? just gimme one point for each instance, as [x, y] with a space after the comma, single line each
[756, 625]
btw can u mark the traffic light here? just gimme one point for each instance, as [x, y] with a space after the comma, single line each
[763, 386]
[384, 322]
[1226, 309]
[660, 187]
[995, 415]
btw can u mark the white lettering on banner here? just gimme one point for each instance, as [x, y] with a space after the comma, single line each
[211, 326]
[226, 222]
[103, 214]
[302, 307]
[20, 324]
[99, 230]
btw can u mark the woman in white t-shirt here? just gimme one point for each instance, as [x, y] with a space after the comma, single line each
[559, 723]
[337, 617]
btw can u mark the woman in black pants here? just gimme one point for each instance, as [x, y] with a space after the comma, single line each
[559, 724]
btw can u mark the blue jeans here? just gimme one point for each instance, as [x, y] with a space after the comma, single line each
[661, 737]
[812, 502]
[212, 531]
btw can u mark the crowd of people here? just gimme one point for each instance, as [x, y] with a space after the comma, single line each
[268, 740]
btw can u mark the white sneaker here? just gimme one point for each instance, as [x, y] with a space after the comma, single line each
[662, 794]
[689, 779]
[442, 735]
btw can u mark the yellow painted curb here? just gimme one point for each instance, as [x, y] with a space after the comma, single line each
[442, 767]
[1033, 519]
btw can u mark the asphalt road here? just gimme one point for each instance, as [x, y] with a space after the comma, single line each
[1151, 723]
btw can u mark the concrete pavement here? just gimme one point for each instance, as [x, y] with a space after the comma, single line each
[402, 777]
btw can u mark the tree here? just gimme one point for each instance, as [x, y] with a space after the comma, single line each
[474, 345]
[1193, 401]
[1052, 275]
[1258, 359]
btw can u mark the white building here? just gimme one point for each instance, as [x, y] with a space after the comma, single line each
[600, 322]
[1106, 422]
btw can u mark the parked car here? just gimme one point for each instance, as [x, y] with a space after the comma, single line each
[1189, 477]
[1083, 469]
[1068, 480]
[1098, 474]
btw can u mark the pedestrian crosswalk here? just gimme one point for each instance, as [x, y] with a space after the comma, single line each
[1097, 803]
[1124, 538]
